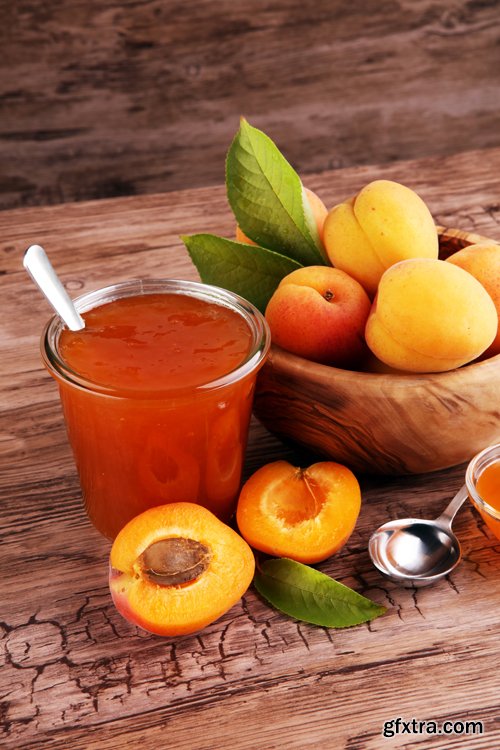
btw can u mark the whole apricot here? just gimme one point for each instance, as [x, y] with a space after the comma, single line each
[384, 223]
[482, 260]
[430, 316]
[241, 236]
[319, 313]
[318, 208]
[304, 514]
[176, 568]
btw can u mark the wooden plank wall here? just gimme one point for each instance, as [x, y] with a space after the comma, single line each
[101, 98]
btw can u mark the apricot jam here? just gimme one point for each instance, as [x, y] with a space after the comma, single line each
[482, 479]
[488, 485]
[488, 488]
[156, 342]
[157, 394]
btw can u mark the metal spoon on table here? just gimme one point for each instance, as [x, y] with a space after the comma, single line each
[416, 552]
[41, 271]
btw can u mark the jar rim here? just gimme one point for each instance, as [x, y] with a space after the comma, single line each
[261, 337]
[475, 468]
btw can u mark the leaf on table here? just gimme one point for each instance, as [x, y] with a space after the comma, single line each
[307, 594]
[268, 200]
[248, 270]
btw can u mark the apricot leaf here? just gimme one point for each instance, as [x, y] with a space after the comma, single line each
[249, 270]
[267, 198]
[307, 594]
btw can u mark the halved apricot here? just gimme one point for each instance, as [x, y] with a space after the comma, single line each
[303, 514]
[176, 568]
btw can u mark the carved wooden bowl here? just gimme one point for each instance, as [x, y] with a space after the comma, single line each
[384, 423]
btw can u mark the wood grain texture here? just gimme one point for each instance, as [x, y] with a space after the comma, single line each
[101, 99]
[74, 675]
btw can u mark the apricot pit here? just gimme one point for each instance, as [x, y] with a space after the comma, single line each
[174, 561]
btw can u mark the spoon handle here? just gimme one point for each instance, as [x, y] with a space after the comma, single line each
[40, 269]
[449, 513]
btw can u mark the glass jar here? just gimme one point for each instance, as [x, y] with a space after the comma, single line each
[481, 490]
[136, 448]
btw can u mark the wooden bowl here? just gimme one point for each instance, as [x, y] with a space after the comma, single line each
[384, 423]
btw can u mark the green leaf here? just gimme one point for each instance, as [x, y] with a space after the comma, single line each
[306, 594]
[268, 199]
[249, 270]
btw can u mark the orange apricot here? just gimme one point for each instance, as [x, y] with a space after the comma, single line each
[304, 514]
[176, 568]
[319, 210]
[482, 260]
[320, 313]
[241, 236]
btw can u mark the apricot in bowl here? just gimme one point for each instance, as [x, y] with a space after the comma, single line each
[320, 313]
[384, 422]
[430, 316]
[304, 514]
[482, 260]
[384, 223]
[176, 568]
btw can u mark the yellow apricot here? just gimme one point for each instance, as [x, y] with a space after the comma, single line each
[482, 260]
[430, 316]
[241, 237]
[319, 210]
[384, 223]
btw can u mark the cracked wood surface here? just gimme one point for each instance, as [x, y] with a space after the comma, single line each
[103, 98]
[74, 674]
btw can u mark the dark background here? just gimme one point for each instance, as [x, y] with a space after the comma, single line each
[101, 98]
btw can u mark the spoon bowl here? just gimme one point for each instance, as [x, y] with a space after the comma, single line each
[417, 552]
[414, 552]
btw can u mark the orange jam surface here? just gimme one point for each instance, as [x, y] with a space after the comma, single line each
[488, 485]
[157, 342]
[157, 437]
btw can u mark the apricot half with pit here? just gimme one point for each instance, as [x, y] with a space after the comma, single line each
[176, 568]
[304, 514]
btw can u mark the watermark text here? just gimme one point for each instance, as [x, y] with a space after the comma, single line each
[399, 726]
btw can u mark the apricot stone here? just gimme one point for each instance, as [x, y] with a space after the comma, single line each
[176, 568]
[384, 223]
[430, 316]
[482, 260]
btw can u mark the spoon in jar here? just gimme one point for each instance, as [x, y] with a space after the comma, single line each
[41, 271]
[416, 552]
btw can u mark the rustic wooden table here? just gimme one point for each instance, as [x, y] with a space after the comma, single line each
[76, 675]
